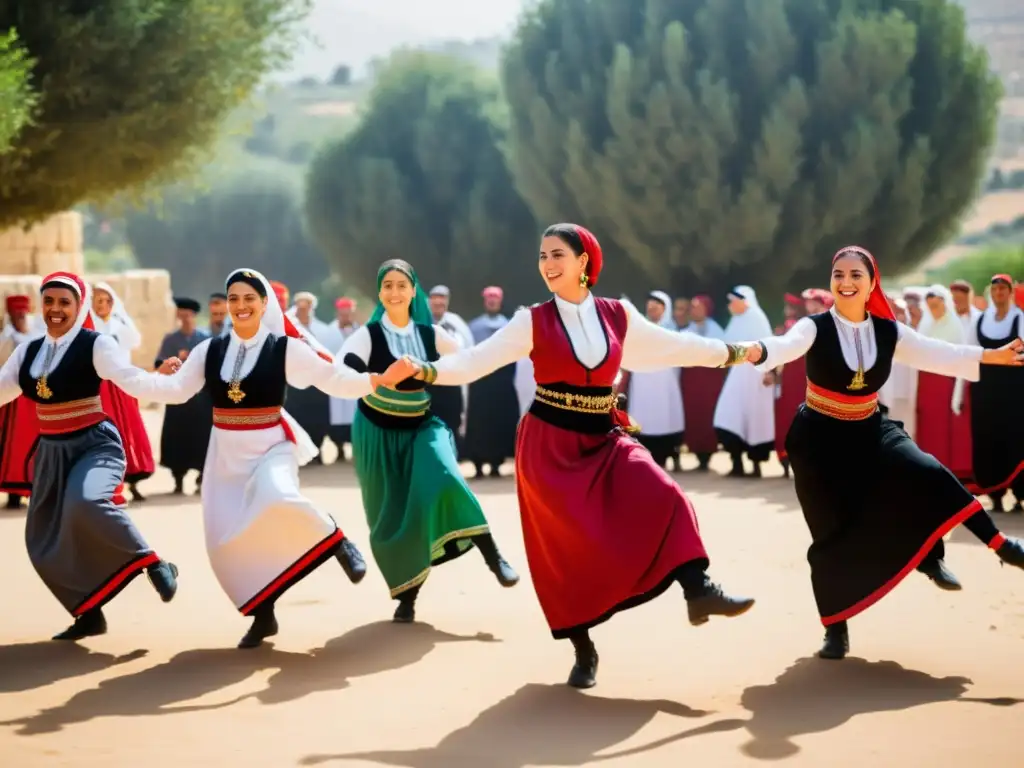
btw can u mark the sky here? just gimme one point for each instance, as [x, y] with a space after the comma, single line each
[355, 31]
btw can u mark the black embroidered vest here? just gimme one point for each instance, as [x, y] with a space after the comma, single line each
[264, 386]
[987, 343]
[826, 367]
[75, 376]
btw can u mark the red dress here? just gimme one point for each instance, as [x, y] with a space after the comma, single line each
[941, 432]
[19, 431]
[123, 410]
[605, 528]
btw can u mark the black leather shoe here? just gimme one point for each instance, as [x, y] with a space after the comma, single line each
[1011, 552]
[937, 571]
[499, 566]
[89, 624]
[164, 578]
[264, 625]
[837, 642]
[405, 613]
[351, 560]
[712, 601]
[584, 671]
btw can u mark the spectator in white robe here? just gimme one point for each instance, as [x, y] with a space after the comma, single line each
[341, 412]
[745, 413]
[310, 407]
[963, 300]
[449, 403]
[899, 393]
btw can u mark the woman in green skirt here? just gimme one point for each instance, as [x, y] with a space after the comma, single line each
[420, 510]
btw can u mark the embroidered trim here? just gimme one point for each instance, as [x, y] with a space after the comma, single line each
[842, 407]
[61, 418]
[246, 418]
[569, 401]
[436, 550]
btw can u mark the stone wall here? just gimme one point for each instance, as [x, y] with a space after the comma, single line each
[56, 244]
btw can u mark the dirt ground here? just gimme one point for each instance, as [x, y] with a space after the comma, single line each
[935, 678]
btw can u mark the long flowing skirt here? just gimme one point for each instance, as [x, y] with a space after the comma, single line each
[875, 504]
[793, 389]
[19, 435]
[940, 432]
[997, 426]
[701, 388]
[186, 434]
[123, 410]
[262, 535]
[419, 508]
[605, 527]
[81, 542]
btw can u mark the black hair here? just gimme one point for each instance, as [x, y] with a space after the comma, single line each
[183, 302]
[247, 277]
[864, 259]
[399, 265]
[218, 295]
[568, 234]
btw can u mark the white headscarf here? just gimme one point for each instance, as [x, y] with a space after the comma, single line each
[948, 327]
[120, 323]
[666, 300]
[752, 324]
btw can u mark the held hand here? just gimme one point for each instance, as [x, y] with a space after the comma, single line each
[769, 379]
[1010, 354]
[400, 370]
[169, 366]
[753, 354]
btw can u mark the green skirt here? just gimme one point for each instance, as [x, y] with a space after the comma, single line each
[419, 508]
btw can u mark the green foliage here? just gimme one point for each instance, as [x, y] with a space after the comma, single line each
[251, 219]
[16, 96]
[744, 140]
[422, 178]
[131, 93]
[978, 267]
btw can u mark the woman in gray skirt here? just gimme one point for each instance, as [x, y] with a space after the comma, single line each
[81, 542]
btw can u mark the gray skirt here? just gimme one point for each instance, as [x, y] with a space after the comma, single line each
[83, 546]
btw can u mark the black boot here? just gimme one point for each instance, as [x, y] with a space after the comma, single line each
[351, 560]
[703, 462]
[707, 599]
[785, 467]
[179, 485]
[1011, 552]
[506, 576]
[264, 625]
[584, 671]
[405, 613]
[199, 484]
[164, 578]
[837, 642]
[737, 466]
[937, 571]
[136, 493]
[479, 474]
[13, 501]
[495, 470]
[89, 624]
[757, 470]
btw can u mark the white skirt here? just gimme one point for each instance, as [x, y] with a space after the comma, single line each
[655, 402]
[746, 407]
[262, 534]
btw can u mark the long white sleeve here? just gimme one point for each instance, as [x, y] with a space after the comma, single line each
[511, 343]
[305, 368]
[936, 356]
[792, 345]
[113, 363]
[10, 387]
[649, 347]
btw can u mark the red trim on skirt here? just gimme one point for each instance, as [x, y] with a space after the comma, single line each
[294, 572]
[977, 491]
[116, 583]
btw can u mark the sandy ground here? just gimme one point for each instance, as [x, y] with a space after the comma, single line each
[935, 678]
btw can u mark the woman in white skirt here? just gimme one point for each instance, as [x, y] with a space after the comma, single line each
[262, 534]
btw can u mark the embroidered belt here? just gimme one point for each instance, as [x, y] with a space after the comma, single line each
[246, 418]
[62, 418]
[840, 406]
[574, 401]
[391, 402]
[594, 411]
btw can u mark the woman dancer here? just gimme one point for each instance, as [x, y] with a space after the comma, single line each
[877, 506]
[419, 508]
[262, 535]
[606, 528]
[110, 317]
[80, 541]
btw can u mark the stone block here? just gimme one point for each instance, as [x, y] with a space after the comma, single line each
[46, 262]
[69, 231]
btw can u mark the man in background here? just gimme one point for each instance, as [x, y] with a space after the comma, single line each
[220, 322]
[449, 403]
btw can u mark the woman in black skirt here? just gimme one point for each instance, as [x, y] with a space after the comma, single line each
[876, 505]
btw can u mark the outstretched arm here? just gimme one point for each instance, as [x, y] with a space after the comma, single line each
[649, 347]
[305, 368]
[774, 351]
[962, 361]
[10, 387]
[113, 364]
[511, 343]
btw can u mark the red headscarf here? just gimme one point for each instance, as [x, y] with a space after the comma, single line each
[793, 300]
[706, 301]
[592, 248]
[78, 286]
[18, 303]
[1002, 279]
[877, 304]
[345, 303]
[281, 292]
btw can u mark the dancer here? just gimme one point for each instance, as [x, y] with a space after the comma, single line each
[19, 427]
[419, 508]
[876, 505]
[606, 528]
[262, 535]
[81, 542]
[110, 317]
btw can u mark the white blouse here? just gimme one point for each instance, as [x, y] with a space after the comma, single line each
[912, 349]
[647, 347]
[401, 341]
[126, 334]
[992, 328]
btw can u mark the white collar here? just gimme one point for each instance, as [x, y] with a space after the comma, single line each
[258, 338]
[386, 322]
[64, 340]
[568, 306]
[850, 323]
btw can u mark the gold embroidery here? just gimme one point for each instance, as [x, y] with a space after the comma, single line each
[436, 550]
[42, 390]
[267, 419]
[858, 380]
[407, 414]
[72, 409]
[235, 393]
[837, 410]
[570, 401]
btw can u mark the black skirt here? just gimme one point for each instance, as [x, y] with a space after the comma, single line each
[186, 434]
[997, 428]
[492, 418]
[875, 504]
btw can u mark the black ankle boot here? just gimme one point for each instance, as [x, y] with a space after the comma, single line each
[264, 625]
[1011, 552]
[756, 471]
[785, 467]
[405, 613]
[13, 501]
[504, 572]
[708, 599]
[351, 560]
[837, 642]
[89, 624]
[943, 578]
[164, 578]
[737, 466]
[584, 671]
[136, 493]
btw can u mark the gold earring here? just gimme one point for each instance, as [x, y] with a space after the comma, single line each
[583, 279]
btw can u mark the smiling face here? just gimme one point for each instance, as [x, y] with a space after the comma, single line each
[396, 292]
[559, 265]
[737, 306]
[936, 306]
[1000, 294]
[60, 308]
[246, 307]
[655, 310]
[852, 284]
[102, 303]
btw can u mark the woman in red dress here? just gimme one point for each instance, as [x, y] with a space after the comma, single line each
[605, 527]
[19, 425]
